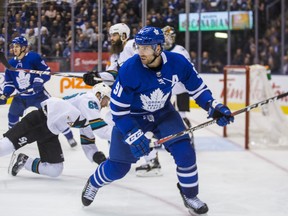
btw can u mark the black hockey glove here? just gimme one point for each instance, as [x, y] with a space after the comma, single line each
[3, 99]
[89, 76]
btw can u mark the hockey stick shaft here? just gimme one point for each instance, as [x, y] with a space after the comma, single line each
[213, 121]
[20, 93]
[4, 61]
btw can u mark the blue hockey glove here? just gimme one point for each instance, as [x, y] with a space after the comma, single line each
[38, 84]
[3, 99]
[221, 112]
[139, 143]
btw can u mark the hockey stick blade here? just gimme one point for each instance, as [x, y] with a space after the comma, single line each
[159, 142]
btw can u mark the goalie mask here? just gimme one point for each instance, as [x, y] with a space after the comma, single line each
[170, 35]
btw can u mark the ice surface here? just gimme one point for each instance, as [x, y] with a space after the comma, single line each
[233, 182]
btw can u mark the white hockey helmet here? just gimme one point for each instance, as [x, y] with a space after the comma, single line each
[121, 29]
[103, 89]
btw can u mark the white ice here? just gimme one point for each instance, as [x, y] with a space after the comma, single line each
[233, 182]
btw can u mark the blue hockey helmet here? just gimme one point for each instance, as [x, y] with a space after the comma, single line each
[22, 41]
[150, 36]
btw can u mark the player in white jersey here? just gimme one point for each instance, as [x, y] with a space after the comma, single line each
[45, 124]
[2, 81]
[122, 48]
[182, 96]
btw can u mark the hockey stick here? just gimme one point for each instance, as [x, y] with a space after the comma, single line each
[19, 93]
[4, 61]
[159, 142]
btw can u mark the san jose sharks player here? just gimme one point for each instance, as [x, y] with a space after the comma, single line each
[140, 104]
[22, 82]
[80, 110]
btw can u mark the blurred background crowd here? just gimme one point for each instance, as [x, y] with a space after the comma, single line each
[56, 29]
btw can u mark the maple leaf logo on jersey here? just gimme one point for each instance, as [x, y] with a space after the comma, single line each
[155, 102]
[23, 80]
[156, 31]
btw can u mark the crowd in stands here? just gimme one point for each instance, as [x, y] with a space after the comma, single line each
[56, 31]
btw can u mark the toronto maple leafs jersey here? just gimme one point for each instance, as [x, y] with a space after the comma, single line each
[22, 81]
[179, 87]
[80, 107]
[139, 90]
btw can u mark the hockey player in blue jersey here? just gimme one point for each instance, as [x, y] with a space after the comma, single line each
[22, 81]
[140, 104]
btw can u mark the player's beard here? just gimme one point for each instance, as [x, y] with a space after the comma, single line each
[117, 47]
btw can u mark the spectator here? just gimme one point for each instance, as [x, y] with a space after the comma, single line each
[57, 50]
[194, 60]
[45, 42]
[205, 62]
[51, 12]
[31, 39]
[238, 58]
[285, 66]
[2, 43]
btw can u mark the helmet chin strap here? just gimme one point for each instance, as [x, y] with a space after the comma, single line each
[155, 57]
[21, 52]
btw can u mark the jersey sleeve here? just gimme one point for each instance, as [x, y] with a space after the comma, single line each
[8, 87]
[90, 109]
[197, 89]
[40, 64]
[120, 104]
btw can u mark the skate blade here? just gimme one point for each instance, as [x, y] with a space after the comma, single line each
[195, 214]
[12, 160]
[151, 173]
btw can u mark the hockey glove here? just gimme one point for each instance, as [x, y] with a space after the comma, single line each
[139, 143]
[3, 99]
[220, 112]
[38, 84]
[88, 78]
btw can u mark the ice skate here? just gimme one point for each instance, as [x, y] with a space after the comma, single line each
[99, 157]
[19, 164]
[150, 169]
[195, 205]
[72, 142]
[88, 194]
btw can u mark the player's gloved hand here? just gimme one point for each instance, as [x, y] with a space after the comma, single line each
[221, 112]
[88, 78]
[38, 84]
[3, 99]
[139, 143]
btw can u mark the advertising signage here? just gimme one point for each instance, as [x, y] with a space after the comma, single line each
[217, 21]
